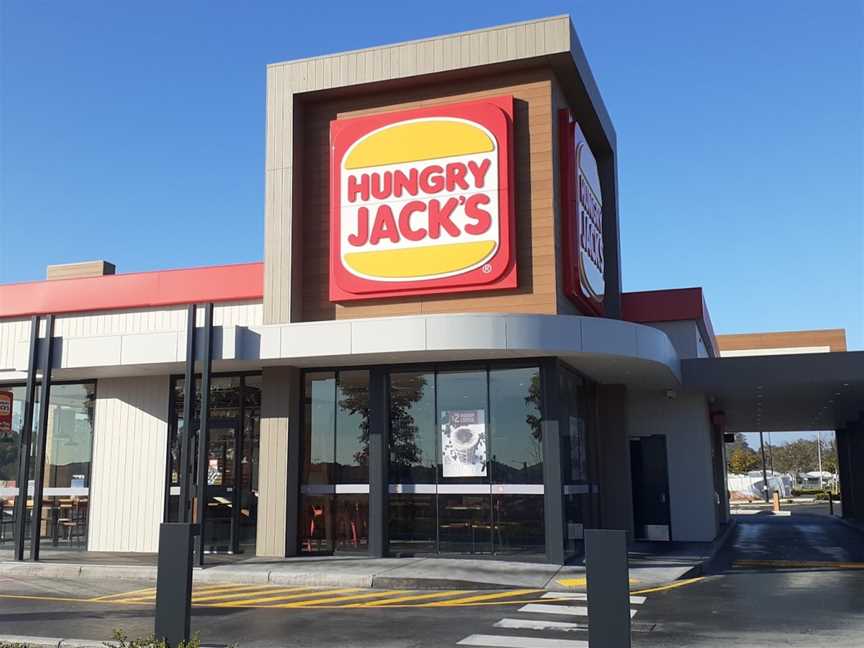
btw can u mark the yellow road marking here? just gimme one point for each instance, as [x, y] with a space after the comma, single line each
[334, 599]
[221, 591]
[668, 586]
[33, 597]
[481, 597]
[215, 589]
[256, 602]
[581, 582]
[106, 597]
[799, 563]
[415, 597]
[261, 591]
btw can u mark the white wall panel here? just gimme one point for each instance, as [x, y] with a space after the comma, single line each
[128, 475]
[12, 331]
[15, 333]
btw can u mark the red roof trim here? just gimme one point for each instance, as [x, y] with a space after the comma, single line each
[670, 306]
[239, 282]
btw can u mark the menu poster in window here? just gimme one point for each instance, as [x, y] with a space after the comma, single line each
[463, 443]
[5, 413]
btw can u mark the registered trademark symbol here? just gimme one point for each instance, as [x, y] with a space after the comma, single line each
[487, 268]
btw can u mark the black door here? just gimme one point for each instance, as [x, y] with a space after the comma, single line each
[650, 480]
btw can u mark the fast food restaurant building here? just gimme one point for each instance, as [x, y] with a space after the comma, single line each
[435, 356]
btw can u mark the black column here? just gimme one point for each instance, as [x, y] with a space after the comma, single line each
[379, 457]
[295, 462]
[26, 439]
[185, 467]
[855, 444]
[39, 467]
[846, 503]
[608, 170]
[553, 499]
[204, 432]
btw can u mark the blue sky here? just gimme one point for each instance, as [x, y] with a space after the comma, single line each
[135, 132]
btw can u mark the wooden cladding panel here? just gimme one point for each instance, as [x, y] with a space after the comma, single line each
[534, 213]
[835, 339]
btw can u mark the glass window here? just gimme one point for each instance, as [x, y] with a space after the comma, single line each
[320, 422]
[68, 456]
[519, 524]
[464, 514]
[463, 414]
[581, 504]
[517, 440]
[412, 428]
[334, 502]
[413, 460]
[352, 427]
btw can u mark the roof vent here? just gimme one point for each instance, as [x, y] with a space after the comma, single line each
[78, 270]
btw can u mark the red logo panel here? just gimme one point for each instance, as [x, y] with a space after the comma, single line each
[421, 201]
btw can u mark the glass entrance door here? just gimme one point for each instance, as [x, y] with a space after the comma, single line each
[223, 487]
[466, 463]
[232, 461]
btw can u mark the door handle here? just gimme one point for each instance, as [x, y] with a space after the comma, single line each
[662, 498]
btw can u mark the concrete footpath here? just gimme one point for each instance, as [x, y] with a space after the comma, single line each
[651, 565]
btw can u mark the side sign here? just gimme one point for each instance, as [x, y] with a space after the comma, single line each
[5, 413]
[421, 201]
[582, 201]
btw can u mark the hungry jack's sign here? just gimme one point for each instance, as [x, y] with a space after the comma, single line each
[421, 201]
[583, 259]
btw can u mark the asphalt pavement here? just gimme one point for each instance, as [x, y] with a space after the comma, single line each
[780, 581]
[794, 580]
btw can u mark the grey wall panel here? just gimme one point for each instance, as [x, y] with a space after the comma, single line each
[279, 406]
[128, 475]
[684, 420]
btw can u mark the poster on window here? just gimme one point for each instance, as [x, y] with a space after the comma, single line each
[463, 443]
[5, 413]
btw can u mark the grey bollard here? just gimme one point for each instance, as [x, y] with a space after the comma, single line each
[608, 584]
[174, 582]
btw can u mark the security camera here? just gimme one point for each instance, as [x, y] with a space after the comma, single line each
[671, 394]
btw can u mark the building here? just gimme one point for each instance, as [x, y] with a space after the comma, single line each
[435, 356]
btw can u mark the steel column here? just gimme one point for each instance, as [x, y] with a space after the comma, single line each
[379, 457]
[41, 440]
[203, 431]
[25, 445]
[185, 468]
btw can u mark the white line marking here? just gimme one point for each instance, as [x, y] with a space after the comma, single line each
[571, 610]
[531, 624]
[497, 641]
[581, 596]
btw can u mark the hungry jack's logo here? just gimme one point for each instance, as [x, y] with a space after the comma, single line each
[584, 265]
[421, 201]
